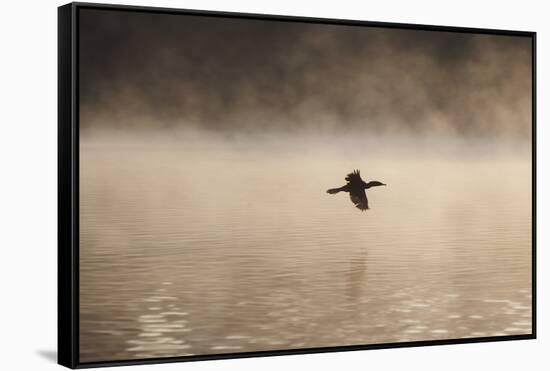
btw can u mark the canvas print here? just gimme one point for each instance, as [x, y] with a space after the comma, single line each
[260, 185]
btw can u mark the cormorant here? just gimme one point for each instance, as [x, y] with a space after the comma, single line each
[356, 189]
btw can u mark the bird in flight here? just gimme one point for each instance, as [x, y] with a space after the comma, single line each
[356, 188]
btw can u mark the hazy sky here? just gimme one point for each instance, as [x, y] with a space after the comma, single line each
[157, 71]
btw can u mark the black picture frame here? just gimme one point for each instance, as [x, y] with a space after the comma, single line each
[68, 184]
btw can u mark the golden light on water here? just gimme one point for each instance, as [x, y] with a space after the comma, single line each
[216, 246]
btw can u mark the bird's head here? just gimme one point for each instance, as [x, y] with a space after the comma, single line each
[374, 183]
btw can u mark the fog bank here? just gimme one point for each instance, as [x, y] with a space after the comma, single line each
[152, 71]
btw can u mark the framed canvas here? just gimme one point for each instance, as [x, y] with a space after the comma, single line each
[238, 185]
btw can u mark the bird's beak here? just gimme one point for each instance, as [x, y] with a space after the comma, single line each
[384, 184]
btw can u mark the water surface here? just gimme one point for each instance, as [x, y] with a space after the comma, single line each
[200, 247]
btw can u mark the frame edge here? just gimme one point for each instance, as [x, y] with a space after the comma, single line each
[67, 348]
[534, 268]
[301, 19]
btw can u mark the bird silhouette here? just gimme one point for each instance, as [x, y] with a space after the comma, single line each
[356, 188]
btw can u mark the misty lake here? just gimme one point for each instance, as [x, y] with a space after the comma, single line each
[221, 246]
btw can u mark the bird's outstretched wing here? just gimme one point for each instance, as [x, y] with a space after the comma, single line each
[359, 199]
[354, 178]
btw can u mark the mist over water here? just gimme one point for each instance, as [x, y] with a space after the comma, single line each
[201, 242]
[158, 71]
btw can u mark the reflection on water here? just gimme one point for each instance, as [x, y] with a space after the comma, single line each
[160, 326]
[211, 250]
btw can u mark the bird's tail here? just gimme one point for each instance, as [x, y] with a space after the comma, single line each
[334, 190]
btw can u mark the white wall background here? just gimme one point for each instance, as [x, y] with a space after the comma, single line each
[28, 146]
